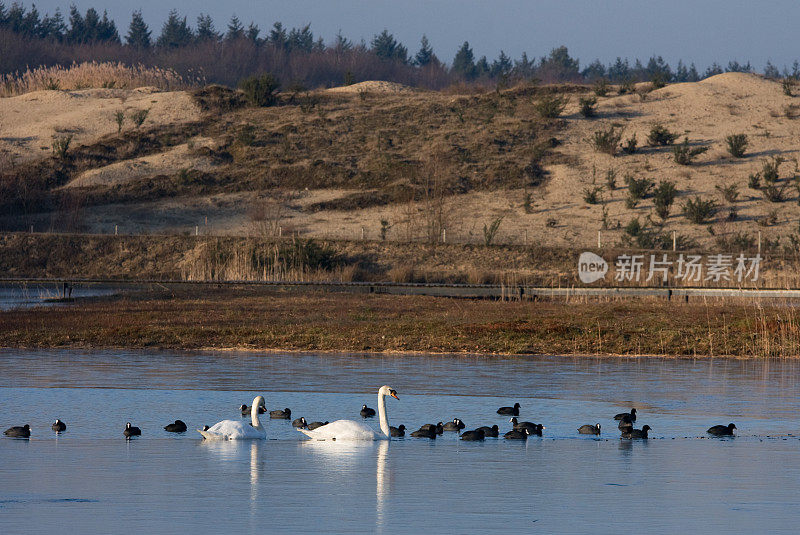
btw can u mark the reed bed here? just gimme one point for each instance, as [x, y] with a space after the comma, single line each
[94, 75]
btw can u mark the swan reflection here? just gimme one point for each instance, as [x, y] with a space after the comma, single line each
[344, 456]
[234, 450]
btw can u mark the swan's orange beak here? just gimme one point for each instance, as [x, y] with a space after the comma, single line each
[393, 394]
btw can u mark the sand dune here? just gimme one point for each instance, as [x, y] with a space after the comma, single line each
[28, 122]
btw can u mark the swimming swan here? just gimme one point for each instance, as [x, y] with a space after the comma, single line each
[350, 430]
[238, 430]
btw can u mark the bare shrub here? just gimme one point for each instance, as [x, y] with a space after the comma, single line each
[267, 214]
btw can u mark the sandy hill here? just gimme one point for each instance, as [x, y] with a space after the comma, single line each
[353, 161]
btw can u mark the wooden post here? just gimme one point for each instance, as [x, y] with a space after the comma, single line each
[280, 231]
[116, 230]
[196, 230]
[444, 235]
[362, 233]
[674, 241]
[31, 229]
[526, 236]
[599, 246]
[759, 242]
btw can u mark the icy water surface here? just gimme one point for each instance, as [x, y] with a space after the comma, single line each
[30, 295]
[93, 480]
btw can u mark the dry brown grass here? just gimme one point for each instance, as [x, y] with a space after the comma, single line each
[93, 75]
[272, 319]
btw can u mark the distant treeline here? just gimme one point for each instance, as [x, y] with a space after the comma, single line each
[296, 56]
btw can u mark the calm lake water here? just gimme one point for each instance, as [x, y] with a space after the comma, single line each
[94, 481]
[29, 295]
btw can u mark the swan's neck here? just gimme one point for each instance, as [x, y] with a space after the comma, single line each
[384, 420]
[254, 417]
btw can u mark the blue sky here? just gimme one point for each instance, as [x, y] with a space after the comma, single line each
[692, 30]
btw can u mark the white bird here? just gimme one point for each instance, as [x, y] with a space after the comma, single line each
[238, 430]
[350, 430]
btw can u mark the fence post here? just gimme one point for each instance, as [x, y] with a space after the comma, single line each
[116, 230]
[674, 242]
[526, 236]
[196, 230]
[759, 241]
[444, 235]
[362, 233]
[599, 246]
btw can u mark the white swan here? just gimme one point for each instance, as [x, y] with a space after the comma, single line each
[236, 429]
[351, 430]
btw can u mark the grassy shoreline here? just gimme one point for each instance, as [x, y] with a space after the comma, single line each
[264, 320]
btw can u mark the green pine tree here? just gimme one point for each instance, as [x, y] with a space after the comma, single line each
[464, 62]
[138, 32]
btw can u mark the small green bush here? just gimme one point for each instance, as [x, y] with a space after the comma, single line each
[489, 232]
[663, 197]
[684, 155]
[592, 195]
[730, 193]
[138, 117]
[638, 188]
[119, 117]
[659, 135]
[606, 141]
[260, 90]
[787, 84]
[634, 228]
[551, 106]
[770, 169]
[699, 211]
[601, 87]
[773, 193]
[737, 144]
[629, 147]
[627, 87]
[611, 179]
[61, 146]
[588, 106]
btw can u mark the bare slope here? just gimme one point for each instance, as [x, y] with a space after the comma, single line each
[337, 164]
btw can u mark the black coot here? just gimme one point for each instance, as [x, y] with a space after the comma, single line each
[246, 410]
[423, 432]
[589, 429]
[722, 430]
[20, 431]
[366, 412]
[59, 426]
[626, 416]
[636, 433]
[300, 422]
[455, 425]
[399, 431]
[314, 425]
[278, 414]
[517, 434]
[492, 432]
[436, 428]
[513, 411]
[131, 431]
[535, 429]
[475, 434]
[177, 427]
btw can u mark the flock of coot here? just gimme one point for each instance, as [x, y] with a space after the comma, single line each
[519, 430]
